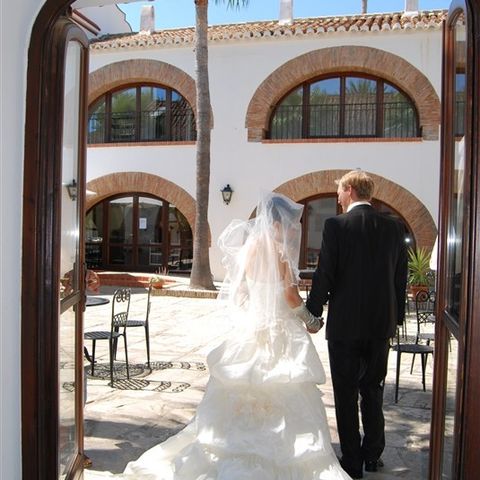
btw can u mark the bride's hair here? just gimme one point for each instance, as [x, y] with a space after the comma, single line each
[261, 252]
[280, 208]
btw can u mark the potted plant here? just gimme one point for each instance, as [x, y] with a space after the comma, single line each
[158, 280]
[418, 269]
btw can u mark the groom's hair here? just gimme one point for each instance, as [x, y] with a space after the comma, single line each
[360, 181]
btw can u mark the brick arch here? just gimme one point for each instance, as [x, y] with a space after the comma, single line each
[130, 182]
[400, 199]
[140, 70]
[349, 58]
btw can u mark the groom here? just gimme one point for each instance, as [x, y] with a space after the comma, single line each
[362, 273]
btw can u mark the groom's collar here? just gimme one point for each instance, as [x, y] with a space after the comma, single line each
[356, 204]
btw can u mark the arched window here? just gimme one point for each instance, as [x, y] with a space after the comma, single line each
[347, 105]
[141, 113]
[137, 232]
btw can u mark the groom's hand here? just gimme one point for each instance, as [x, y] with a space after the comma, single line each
[317, 327]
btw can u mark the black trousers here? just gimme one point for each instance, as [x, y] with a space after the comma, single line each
[359, 367]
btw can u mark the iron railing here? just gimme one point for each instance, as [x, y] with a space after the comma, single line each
[387, 120]
[142, 126]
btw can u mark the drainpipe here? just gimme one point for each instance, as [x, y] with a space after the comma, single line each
[286, 16]
[147, 19]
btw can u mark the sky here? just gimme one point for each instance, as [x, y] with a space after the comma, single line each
[181, 13]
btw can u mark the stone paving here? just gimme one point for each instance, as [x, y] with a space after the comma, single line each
[124, 421]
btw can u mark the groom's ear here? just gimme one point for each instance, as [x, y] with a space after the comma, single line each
[352, 192]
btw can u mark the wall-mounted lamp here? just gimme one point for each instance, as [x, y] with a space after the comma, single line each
[72, 190]
[227, 194]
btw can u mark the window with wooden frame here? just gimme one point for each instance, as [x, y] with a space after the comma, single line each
[141, 113]
[344, 106]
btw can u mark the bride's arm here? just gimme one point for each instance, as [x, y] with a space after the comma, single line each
[292, 296]
[295, 301]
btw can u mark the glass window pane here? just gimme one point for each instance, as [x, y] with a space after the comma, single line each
[67, 432]
[183, 122]
[96, 122]
[318, 211]
[455, 234]
[120, 219]
[124, 106]
[120, 255]
[94, 236]
[399, 118]
[450, 404]
[287, 120]
[325, 108]
[69, 263]
[360, 106]
[181, 241]
[457, 199]
[153, 115]
[149, 220]
[151, 256]
[460, 104]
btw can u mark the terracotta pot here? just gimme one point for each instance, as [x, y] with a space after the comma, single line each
[158, 284]
[414, 289]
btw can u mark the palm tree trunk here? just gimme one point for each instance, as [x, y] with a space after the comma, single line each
[201, 276]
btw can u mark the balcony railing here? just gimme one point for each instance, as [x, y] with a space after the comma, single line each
[386, 120]
[145, 126]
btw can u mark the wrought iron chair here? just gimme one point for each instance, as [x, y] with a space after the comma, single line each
[425, 313]
[120, 308]
[414, 349]
[144, 323]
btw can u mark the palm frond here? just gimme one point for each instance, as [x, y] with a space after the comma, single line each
[233, 3]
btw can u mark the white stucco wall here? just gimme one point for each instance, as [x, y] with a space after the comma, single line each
[237, 68]
[16, 24]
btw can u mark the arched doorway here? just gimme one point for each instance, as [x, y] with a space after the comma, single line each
[137, 232]
[317, 209]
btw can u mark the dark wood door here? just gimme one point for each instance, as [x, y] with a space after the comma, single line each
[455, 415]
[53, 295]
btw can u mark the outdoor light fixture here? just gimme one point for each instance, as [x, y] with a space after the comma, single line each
[72, 190]
[227, 194]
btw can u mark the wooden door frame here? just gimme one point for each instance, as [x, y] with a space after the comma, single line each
[470, 460]
[40, 249]
[466, 461]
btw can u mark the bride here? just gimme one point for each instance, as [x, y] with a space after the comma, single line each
[262, 416]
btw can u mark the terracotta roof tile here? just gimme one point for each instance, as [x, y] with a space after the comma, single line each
[272, 29]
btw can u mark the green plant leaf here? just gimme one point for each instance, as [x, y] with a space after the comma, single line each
[418, 266]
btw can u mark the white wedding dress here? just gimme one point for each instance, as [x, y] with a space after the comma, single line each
[262, 415]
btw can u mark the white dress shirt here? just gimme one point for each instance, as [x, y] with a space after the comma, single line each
[356, 204]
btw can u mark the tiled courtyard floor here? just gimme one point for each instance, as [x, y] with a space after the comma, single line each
[123, 422]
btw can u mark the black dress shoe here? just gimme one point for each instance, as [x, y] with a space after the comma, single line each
[373, 465]
[353, 472]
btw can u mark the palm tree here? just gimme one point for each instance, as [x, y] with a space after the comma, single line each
[201, 276]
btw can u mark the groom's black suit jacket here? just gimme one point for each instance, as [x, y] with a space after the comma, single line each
[362, 272]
